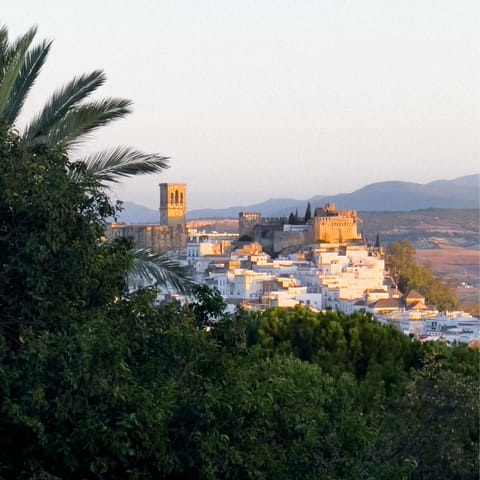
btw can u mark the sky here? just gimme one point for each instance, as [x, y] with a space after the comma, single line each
[275, 98]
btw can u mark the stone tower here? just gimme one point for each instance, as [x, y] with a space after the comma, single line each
[331, 225]
[247, 221]
[172, 204]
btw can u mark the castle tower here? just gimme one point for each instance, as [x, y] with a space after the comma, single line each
[247, 221]
[331, 225]
[172, 204]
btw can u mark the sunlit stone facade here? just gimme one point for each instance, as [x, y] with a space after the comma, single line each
[330, 225]
[170, 233]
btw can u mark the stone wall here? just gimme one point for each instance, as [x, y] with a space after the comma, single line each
[286, 240]
[158, 238]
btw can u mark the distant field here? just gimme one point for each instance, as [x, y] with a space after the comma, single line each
[460, 264]
[452, 261]
[424, 228]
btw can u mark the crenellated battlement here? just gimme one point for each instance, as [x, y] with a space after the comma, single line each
[330, 225]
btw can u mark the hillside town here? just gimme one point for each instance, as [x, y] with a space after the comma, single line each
[288, 339]
[323, 264]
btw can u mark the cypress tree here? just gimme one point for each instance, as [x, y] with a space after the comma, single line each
[308, 213]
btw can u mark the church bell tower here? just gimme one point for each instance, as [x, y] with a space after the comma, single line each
[172, 204]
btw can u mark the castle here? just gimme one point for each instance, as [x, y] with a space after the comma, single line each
[330, 225]
[327, 226]
[169, 234]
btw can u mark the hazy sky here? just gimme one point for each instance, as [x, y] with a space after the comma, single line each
[274, 98]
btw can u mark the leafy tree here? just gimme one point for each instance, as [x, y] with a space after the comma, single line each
[422, 431]
[208, 307]
[338, 342]
[400, 261]
[136, 392]
[50, 225]
[437, 424]
[399, 258]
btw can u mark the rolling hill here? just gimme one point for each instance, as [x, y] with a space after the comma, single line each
[462, 192]
[459, 193]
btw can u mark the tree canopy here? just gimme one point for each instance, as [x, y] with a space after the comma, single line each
[52, 261]
[409, 275]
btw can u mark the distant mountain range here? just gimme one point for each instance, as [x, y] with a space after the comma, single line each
[462, 192]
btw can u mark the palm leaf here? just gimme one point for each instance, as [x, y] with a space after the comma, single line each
[121, 162]
[62, 101]
[33, 62]
[3, 48]
[160, 269]
[75, 126]
[14, 59]
[8, 51]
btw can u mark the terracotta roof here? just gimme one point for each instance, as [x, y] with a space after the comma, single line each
[386, 303]
[413, 294]
[416, 306]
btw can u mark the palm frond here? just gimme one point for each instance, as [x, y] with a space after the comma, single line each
[14, 59]
[75, 126]
[13, 47]
[33, 62]
[10, 49]
[62, 101]
[3, 47]
[160, 269]
[120, 162]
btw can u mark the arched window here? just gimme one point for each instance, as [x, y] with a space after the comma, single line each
[181, 198]
[176, 196]
[171, 197]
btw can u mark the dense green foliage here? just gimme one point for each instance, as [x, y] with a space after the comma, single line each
[52, 263]
[400, 261]
[138, 392]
